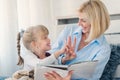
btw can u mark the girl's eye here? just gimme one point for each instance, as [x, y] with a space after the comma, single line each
[84, 20]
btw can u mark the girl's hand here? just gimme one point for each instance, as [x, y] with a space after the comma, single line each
[61, 51]
[55, 76]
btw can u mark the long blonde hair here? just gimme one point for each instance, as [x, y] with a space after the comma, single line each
[29, 36]
[98, 16]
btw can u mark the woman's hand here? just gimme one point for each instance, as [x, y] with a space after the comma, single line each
[55, 76]
[70, 53]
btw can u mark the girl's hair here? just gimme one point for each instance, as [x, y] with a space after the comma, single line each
[98, 16]
[30, 35]
[19, 35]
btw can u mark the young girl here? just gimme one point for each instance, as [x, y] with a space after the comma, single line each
[35, 40]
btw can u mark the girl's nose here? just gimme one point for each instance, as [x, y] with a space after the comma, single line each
[79, 22]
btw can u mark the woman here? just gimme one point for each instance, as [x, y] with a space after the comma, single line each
[91, 44]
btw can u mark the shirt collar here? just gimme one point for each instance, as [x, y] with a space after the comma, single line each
[78, 30]
[99, 40]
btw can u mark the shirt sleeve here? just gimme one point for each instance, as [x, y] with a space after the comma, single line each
[102, 56]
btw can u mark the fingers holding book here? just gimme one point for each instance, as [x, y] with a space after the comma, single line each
[55, 76]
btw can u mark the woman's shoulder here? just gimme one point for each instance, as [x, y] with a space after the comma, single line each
[103, 43]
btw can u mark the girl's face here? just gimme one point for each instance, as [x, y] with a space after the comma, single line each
[43, 42]
[84, 23]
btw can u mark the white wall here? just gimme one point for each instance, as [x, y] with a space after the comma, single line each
[63, 8]
[113, 6]
[33, 12]
[114, 28]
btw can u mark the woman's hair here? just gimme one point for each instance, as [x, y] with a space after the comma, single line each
[98, 16]
[31, 35]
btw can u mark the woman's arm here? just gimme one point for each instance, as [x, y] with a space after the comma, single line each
[102, 56]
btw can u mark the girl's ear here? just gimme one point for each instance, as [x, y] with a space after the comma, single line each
[33, 44]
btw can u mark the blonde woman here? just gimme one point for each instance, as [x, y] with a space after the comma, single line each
[91, 44]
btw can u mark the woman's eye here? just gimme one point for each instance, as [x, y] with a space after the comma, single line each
[45, 37]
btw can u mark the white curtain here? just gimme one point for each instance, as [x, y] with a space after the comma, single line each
[34, 12]
[8, 30]
[16, 14]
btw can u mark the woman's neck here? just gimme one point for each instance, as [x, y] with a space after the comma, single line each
[82, 42]
[85, 35]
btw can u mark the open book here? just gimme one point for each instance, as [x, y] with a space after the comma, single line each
[80, 70]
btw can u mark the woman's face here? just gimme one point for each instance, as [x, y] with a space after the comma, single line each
[84, 23]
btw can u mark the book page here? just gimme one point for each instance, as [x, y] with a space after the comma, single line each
[63, 67]
[41, 70]
[80, 70]
[83, 69]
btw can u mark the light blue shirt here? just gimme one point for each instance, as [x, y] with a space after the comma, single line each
[97, 49]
